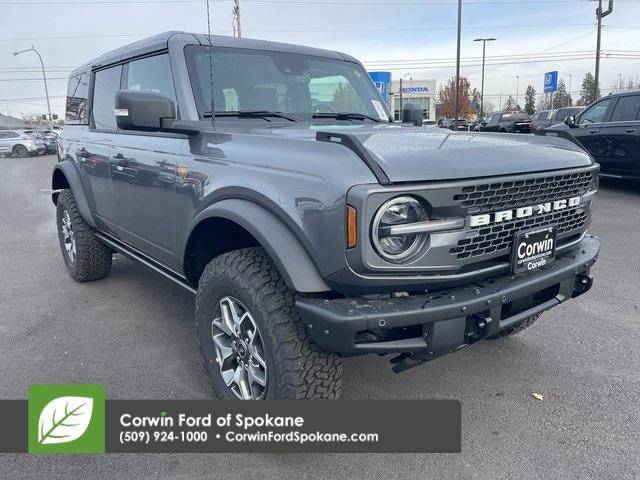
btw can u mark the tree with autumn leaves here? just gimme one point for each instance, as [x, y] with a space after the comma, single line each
[447, 99]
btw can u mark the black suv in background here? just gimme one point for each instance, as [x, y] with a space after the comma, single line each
[609, 129]
[546, 118]
[508, 122]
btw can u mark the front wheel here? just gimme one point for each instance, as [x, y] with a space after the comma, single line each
[252, 340]
[20, 150]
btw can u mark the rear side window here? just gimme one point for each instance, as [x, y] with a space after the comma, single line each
[152, 74]
[627, 108]
[106, 84]
[77, 95]
[8, 134]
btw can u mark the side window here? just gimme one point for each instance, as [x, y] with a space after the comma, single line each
[596, 112]
[107, 83]
[77, 95]
[9, 134]
[152, 74]
[627, 108]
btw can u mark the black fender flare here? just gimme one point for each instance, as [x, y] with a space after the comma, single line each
[68, 169]
[291, 259]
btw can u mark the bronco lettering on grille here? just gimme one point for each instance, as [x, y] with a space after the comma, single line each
[523, 212]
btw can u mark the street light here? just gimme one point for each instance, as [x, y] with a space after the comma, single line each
[484, 43]
[400, 109]
[44, 76]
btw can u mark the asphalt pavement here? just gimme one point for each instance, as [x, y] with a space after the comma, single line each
[134, 333]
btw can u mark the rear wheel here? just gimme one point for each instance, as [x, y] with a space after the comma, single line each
[513, 329]
[20, 150]
[252, 340]
[85, 257]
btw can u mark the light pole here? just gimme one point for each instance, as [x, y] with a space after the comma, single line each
[400, 109]
[457, 106]
[44, 77]
[484, 45]
[600, 14]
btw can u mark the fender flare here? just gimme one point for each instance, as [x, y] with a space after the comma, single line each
[69, 171]
[291, 259]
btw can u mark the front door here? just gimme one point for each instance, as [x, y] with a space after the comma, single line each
[144, 170]
[588, 131]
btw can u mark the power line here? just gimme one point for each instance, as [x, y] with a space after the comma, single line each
[298, 2]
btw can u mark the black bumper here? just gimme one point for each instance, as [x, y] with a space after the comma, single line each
[432, 324]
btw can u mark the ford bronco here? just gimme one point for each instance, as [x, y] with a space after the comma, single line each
[271, 181]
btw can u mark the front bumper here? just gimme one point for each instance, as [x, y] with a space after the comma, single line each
[432, 324]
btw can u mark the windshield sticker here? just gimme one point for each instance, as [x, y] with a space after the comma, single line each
[380, 109]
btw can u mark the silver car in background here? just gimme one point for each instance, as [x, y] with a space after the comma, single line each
[16, 142]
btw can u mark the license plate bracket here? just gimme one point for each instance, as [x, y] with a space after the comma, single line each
[533, 249]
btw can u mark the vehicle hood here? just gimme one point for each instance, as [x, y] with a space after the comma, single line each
[408, 154]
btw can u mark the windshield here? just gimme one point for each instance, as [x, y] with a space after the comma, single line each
[302, 87]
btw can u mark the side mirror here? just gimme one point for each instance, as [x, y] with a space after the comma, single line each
[146, 111]
[412, 113]
[570, 121]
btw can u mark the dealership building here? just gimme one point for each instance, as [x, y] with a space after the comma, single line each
[416, 91]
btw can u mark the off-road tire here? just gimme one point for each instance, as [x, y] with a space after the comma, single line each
[20, 151]
[296, 367]
[92, 259]
[513, 329]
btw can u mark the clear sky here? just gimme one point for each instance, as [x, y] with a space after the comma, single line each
[414, 37]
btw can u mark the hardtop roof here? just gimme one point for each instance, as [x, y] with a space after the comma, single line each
[161, 42]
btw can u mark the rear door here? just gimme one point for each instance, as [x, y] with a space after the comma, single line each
[143, 170]
[622, 136]
[95, 149]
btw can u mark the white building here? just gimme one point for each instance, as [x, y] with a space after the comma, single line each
[420, 92]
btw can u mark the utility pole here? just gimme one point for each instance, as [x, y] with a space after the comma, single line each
[237, 27]
[484, 44]
[517, 90]
[570, 78]
[44, 77]
[599, 15]
[457, 106]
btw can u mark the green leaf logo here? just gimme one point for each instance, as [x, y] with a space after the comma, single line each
[64, 419]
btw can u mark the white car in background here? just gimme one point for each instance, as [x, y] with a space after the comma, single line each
[16, 142]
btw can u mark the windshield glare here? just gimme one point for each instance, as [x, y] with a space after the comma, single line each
[293, 84]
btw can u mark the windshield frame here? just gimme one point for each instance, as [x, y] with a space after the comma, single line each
[204, 113]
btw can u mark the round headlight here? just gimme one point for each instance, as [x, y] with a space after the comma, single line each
[398, 247]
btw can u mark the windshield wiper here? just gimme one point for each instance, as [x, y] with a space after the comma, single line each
[251, 114]
[346, 116]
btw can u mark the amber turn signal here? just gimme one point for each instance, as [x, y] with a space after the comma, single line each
[352, 232]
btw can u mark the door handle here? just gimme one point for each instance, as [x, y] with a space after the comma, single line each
[631, 130]
[593, 132]
[120, 160]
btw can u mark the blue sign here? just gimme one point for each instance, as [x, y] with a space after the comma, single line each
[382, 81]
[551, 81]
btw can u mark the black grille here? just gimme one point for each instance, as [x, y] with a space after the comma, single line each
[505, 195]
[498, 238]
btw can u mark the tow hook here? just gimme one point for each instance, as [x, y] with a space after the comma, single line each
[479, 326]
[584, 281]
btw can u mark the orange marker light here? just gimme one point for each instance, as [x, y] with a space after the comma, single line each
[352, 232]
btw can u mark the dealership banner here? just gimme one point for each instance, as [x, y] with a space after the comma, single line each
[78, 419]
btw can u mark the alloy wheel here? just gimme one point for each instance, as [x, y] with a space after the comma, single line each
[68, 237]
[239, 350]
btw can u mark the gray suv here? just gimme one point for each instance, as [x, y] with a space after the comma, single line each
[271, 181]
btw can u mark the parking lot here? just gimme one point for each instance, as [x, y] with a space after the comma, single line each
[134, 333]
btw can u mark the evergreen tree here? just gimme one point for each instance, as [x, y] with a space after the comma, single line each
[530, 100]
[586, 90]
[510, 104]
[562, 98]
